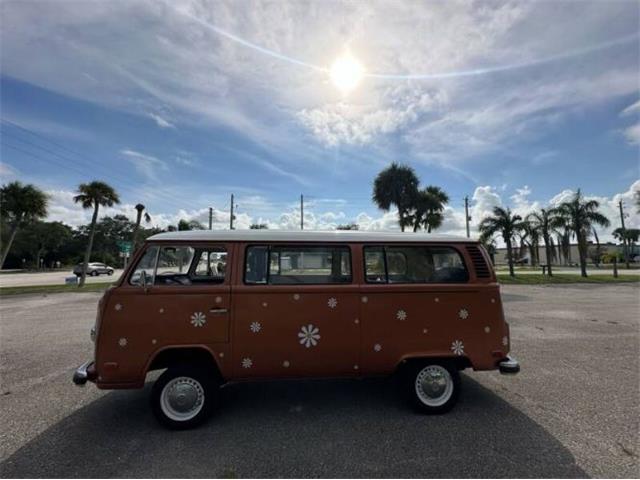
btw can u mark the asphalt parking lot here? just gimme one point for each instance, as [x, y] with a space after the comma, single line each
[573, 411]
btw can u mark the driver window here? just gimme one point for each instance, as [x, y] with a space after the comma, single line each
[173, 265]
[147, 265]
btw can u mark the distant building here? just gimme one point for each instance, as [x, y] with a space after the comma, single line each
[522, 255]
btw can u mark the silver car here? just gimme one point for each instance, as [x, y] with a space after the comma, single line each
[94, 269]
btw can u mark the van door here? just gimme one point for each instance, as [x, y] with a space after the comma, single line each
[295, 312]
[185, 301]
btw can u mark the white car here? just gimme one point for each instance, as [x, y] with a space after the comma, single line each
[94, 269]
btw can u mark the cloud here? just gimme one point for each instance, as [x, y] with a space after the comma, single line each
[7, 172]
[634, 108]
[632, 134]
[161, 122]
[146, 165]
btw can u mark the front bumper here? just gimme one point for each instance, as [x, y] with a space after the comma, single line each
[85, 372]
[509, 366]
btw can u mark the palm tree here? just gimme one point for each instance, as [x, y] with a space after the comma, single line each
[545, 222]
[530, 240]
[19, 205]
[628, 237]
[396, 185]
[140, 208]
[429, 205]
[507, 225]
[581, 216]
[92, 195]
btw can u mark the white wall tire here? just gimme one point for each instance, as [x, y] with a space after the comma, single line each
[183, 397]
[433, 387]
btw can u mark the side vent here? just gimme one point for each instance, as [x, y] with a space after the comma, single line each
[479, 263]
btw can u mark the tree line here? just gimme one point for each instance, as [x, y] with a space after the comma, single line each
[574, 219]
[24, 236]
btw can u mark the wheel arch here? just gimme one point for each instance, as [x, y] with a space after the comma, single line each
[460, 362]
[185, 355]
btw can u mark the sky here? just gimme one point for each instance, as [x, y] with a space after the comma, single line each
[178, 105]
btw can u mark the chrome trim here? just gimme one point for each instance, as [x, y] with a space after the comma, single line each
[218, 311]
[81, 376]
[509, 366]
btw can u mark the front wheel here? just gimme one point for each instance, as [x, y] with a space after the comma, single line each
[109, 272]
[433, 387]
[95, 273]
[183, 397]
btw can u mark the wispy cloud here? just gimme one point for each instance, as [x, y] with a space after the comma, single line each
[147, 165]
[160, 121]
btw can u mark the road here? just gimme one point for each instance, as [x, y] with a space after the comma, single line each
[49, 278]
[573, 411]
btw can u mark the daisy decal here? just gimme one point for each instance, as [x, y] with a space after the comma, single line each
[463, 314]
[122, 342]
[505, 341]
[247, 363]
[309, 335]
[255, 327]
[457, 347]
[118, 307]
[332, 303]
[377, 347]
[401, 315]
[198, 319]
[487, 329]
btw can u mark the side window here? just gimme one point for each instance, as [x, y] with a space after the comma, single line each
[289, 265]
[415, 265]
[374, 265]
[173, 265]
[146, 264]
[211, 266]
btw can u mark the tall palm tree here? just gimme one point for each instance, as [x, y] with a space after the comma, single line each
[628, 237]
[505, 223]
[93, 195]
[581, 216]
[530, 240]
[140, 208]
[396, 185]
[19, 205]
[545, 222]
[429, 207]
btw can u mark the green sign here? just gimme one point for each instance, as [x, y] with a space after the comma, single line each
[124, 246]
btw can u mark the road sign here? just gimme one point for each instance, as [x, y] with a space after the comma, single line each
[124, 246]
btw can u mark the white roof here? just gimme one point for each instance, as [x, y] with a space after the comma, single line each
[265, 235]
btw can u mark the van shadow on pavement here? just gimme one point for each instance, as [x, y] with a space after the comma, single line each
[325, 428]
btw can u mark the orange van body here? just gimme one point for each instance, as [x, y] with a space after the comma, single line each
[257, 331]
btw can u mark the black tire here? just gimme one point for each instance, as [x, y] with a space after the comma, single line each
[95, 273]
[419, 396]
[109, 272]
[203, 377]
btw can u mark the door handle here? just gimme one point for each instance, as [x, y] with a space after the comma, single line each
[218, 311]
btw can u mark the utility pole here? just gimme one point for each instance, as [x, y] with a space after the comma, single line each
[210, 218]
[232, 217]
[467, 218]
[624, 235]
[301, 212]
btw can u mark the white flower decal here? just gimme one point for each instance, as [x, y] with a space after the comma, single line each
[309, 335]
[463, 314]
[364, 299]
[255, 327]
[401, 315]
[247, 363]
[198, 319]
[286, 364]
[505, 341]
[118, 307]
[122, 342]
[332, 303]
[457, 347]
[377, 347]
[161, 310]
[296, 296]
[487, 329]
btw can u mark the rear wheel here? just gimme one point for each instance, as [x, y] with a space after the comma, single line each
[433, 387]
[183, 397]
[109, 272]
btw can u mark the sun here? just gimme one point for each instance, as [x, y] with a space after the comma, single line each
[346, 72]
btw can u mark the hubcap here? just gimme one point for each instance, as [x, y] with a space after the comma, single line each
[182, 398]
[434, 385]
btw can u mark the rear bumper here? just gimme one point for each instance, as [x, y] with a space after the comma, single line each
[85, 372]
[509, 366]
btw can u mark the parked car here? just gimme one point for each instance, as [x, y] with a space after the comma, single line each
[214, 307]
[94, 269]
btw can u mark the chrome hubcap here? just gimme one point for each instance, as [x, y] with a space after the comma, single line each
[182, 398]
[434, 385]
